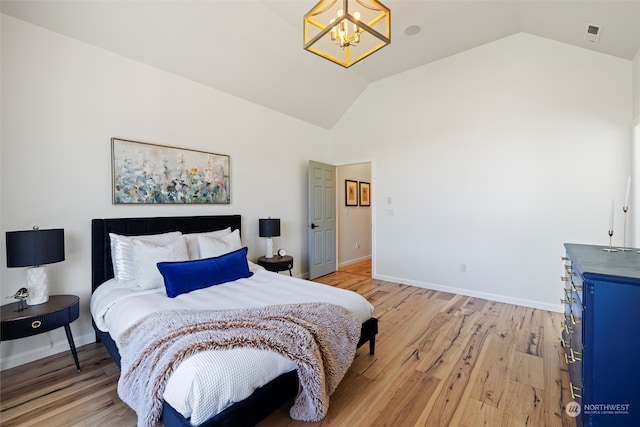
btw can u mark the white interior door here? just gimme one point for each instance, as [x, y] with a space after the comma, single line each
[322, 219]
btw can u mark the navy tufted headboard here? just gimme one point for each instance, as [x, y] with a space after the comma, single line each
[101, 265]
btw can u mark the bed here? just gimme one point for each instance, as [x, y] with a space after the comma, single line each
[266, 398]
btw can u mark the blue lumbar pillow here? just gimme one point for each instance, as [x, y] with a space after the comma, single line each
[187, 276]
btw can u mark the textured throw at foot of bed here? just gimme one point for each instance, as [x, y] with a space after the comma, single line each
[320, 338]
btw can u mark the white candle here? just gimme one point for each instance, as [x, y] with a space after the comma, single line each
[613, 202]
[626, 199]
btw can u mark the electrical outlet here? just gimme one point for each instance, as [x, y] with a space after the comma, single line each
[357, 245]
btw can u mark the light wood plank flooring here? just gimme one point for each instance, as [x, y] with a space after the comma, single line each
[441, 360]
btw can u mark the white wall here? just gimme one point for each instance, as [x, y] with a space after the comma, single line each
[63, 100]
[493, 159]
[354, 222]
[636, 86]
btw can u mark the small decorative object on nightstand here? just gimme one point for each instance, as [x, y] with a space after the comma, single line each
[21, 295]
[277, 263]
[59, 311]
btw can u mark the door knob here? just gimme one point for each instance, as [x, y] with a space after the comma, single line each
[314, 226]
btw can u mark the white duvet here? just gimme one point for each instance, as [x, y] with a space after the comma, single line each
[207, 383]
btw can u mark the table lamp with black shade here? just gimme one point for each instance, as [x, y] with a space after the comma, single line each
[35, 248]
[269, 227]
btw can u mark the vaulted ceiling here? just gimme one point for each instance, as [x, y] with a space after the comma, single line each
[253, 49]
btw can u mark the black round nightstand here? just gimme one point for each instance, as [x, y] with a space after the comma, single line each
[59, 311]
[277, 263]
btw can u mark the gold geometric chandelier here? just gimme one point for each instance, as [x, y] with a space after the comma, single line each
[347, 31]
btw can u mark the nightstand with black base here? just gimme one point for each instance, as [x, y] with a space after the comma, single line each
[277, 263]
[59, 311]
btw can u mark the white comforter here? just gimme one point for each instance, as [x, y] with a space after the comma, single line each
[209, 382]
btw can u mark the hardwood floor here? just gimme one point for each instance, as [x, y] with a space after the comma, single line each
[441, 360]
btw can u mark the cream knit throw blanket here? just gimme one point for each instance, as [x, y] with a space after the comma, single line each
[320, 338]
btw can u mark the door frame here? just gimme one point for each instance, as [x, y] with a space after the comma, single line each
[373, 194]
[635, 173]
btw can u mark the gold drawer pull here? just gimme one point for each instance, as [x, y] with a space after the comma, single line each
[576, 287]
[575, 355]
[567, 301]
[568, 329]
[569, 359]
[563, 343]
[36, 324]
[573, 390]
[564, 258]
[574, 320]
[564, 279]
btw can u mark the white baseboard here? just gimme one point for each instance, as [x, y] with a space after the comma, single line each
[354, 261]
[559, 308]
[44, 351]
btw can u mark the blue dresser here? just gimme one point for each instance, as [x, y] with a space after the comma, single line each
[601, 334]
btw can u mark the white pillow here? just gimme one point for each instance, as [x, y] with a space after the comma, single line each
[146, 257]
[122, 252]
[192, 241]
[211, 247]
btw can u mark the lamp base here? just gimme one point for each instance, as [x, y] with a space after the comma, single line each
[37, 286]
[268, 253]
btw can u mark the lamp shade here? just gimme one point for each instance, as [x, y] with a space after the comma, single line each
[269, 227]
[34, 247]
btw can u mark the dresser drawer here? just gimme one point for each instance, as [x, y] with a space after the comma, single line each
[572, 335]
[575, 381]
[576, 287]
[573, 359]
[575, 320]
[573, 278]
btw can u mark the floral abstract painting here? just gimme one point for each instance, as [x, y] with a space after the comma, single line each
[150, 174]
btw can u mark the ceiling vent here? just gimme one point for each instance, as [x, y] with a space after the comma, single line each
[592, 33]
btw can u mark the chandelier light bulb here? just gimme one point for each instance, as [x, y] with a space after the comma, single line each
[339, 33]
[334, 31]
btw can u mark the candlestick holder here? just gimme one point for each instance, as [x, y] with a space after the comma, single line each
[610, 249]
[624, 247]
